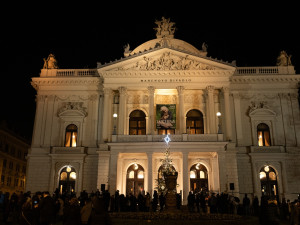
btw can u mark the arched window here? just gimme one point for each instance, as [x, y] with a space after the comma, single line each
[194, 122]
[198, 178]
[71, 136]
[135, 179]
[263, 135]
[268, 181]
[137, 123]
[67, 180]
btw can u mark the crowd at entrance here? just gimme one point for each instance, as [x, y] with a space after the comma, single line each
[44, 209]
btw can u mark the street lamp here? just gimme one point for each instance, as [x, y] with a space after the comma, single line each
[219, 124]
[115, 115]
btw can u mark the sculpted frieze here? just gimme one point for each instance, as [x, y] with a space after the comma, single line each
[168, 61]
[74, 106]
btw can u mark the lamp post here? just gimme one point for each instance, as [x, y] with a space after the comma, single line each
[115, 115]
[219, 123]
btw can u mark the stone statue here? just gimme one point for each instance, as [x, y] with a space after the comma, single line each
[284, 59]
[127, 50]
[204, 47]
[164, 28]
[50, 62]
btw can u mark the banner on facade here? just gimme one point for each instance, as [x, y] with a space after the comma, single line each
[166, 116]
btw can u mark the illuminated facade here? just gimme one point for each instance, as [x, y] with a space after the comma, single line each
[226, 123]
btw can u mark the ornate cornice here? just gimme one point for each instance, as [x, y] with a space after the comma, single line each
[169, 74]
[36, 82]
[264, 79]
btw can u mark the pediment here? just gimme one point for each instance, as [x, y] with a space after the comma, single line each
[165, 60]
[262, 112]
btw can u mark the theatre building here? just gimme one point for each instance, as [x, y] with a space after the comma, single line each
[232, 129]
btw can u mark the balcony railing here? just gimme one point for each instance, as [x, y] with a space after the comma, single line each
[67, 150]
[69, 73]
[270, 70]
[174, 138]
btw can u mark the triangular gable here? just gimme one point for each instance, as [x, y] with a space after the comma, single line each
[165, 59]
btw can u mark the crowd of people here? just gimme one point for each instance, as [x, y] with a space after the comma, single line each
[42, 208]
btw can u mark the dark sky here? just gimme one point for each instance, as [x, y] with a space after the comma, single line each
[80, 34]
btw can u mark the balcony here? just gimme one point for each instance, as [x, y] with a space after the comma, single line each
[174, 138]
[67, 150]
[267, 149]
[269, 70]
[69, 73]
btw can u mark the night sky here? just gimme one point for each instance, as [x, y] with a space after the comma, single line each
[82, 34]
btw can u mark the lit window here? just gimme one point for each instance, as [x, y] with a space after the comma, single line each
[272, 176]
[63, 176]
[71, 136]
[263, 135]
[192, 174]
[73, 175]
[137, 123]
[131, 174]
[194, 122]
[262, 175]
[140, 174]
[202, 174]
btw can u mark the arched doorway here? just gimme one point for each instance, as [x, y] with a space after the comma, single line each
[198, 178]
[268, 181]
[67, 179]
[160, 179]
[135, 179]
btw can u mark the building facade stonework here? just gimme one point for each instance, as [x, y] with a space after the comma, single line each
[234, 129]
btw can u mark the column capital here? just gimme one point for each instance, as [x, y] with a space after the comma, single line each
[225, 90]
[210, 89]
[180, 90]
[122, 90]
[151, 90]
[107, 91]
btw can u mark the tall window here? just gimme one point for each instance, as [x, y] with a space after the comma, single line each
[194, 122]
[263, 135]
[198, 178]
[71, 136]
[137, 123]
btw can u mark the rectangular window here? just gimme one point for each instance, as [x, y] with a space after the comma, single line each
[4, 163]
[2, 179]
[11, 165]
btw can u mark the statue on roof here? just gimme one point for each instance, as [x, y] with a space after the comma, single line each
[127, 50]
[50, 62]
[284, 59]
[204, 47]
[164, 28]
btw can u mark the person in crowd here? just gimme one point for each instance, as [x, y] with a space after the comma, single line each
[154, 201]
[191, 201]
[26, 217]
[246, 205]
[72, 213]
[46, 209]
[161, 201]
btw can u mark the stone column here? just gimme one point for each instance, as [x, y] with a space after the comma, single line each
[211, 109]
[122, 110]
[112, 183]
[238, 118]
[37, 129]
[106, 125]
[182, 123]
[150, 185]
[185, 177]
[227, 114]
[151, 120]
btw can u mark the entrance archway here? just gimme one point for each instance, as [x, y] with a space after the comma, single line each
[67, 179]
[135, 179]
[268, 181]
[198, 178]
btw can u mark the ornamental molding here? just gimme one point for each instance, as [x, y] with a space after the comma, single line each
[36, 82]
[271, 79]
[164, 74]
[167, 61]
[72, 108]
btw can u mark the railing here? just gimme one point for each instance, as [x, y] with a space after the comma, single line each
[280, 70]
[69, 73]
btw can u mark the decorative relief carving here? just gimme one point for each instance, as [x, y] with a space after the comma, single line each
[75, 106]
[137, 98]
[258, 105]
[165, 99]
[169, 61]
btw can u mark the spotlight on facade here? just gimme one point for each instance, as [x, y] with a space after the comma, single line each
[218, 114]
[267, 168]
[115, 115]
[68, 169]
